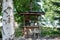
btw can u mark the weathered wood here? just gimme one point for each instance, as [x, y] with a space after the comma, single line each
[32, 13]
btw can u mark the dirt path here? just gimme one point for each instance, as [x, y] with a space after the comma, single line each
[39, 39]
[35, 39]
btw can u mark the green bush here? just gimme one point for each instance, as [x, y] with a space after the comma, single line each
[49, 31]
[18, 32]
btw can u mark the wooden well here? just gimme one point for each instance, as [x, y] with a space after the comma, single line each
[31, 29]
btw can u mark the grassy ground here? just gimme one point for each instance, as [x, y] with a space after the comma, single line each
[51, 32]
[46, 32]
[18, 32]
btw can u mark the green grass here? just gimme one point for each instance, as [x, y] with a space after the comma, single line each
[50, 31]
[45, 31]
[18, 32]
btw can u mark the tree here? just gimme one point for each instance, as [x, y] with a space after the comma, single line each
[7, 20]
[57, 10]
[24, 6]
[52, 10]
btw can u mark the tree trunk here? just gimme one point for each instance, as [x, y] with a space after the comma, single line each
[7, 20]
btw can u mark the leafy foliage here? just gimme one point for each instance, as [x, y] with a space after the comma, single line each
[18, 32]
[24, 5]
[51, 32]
